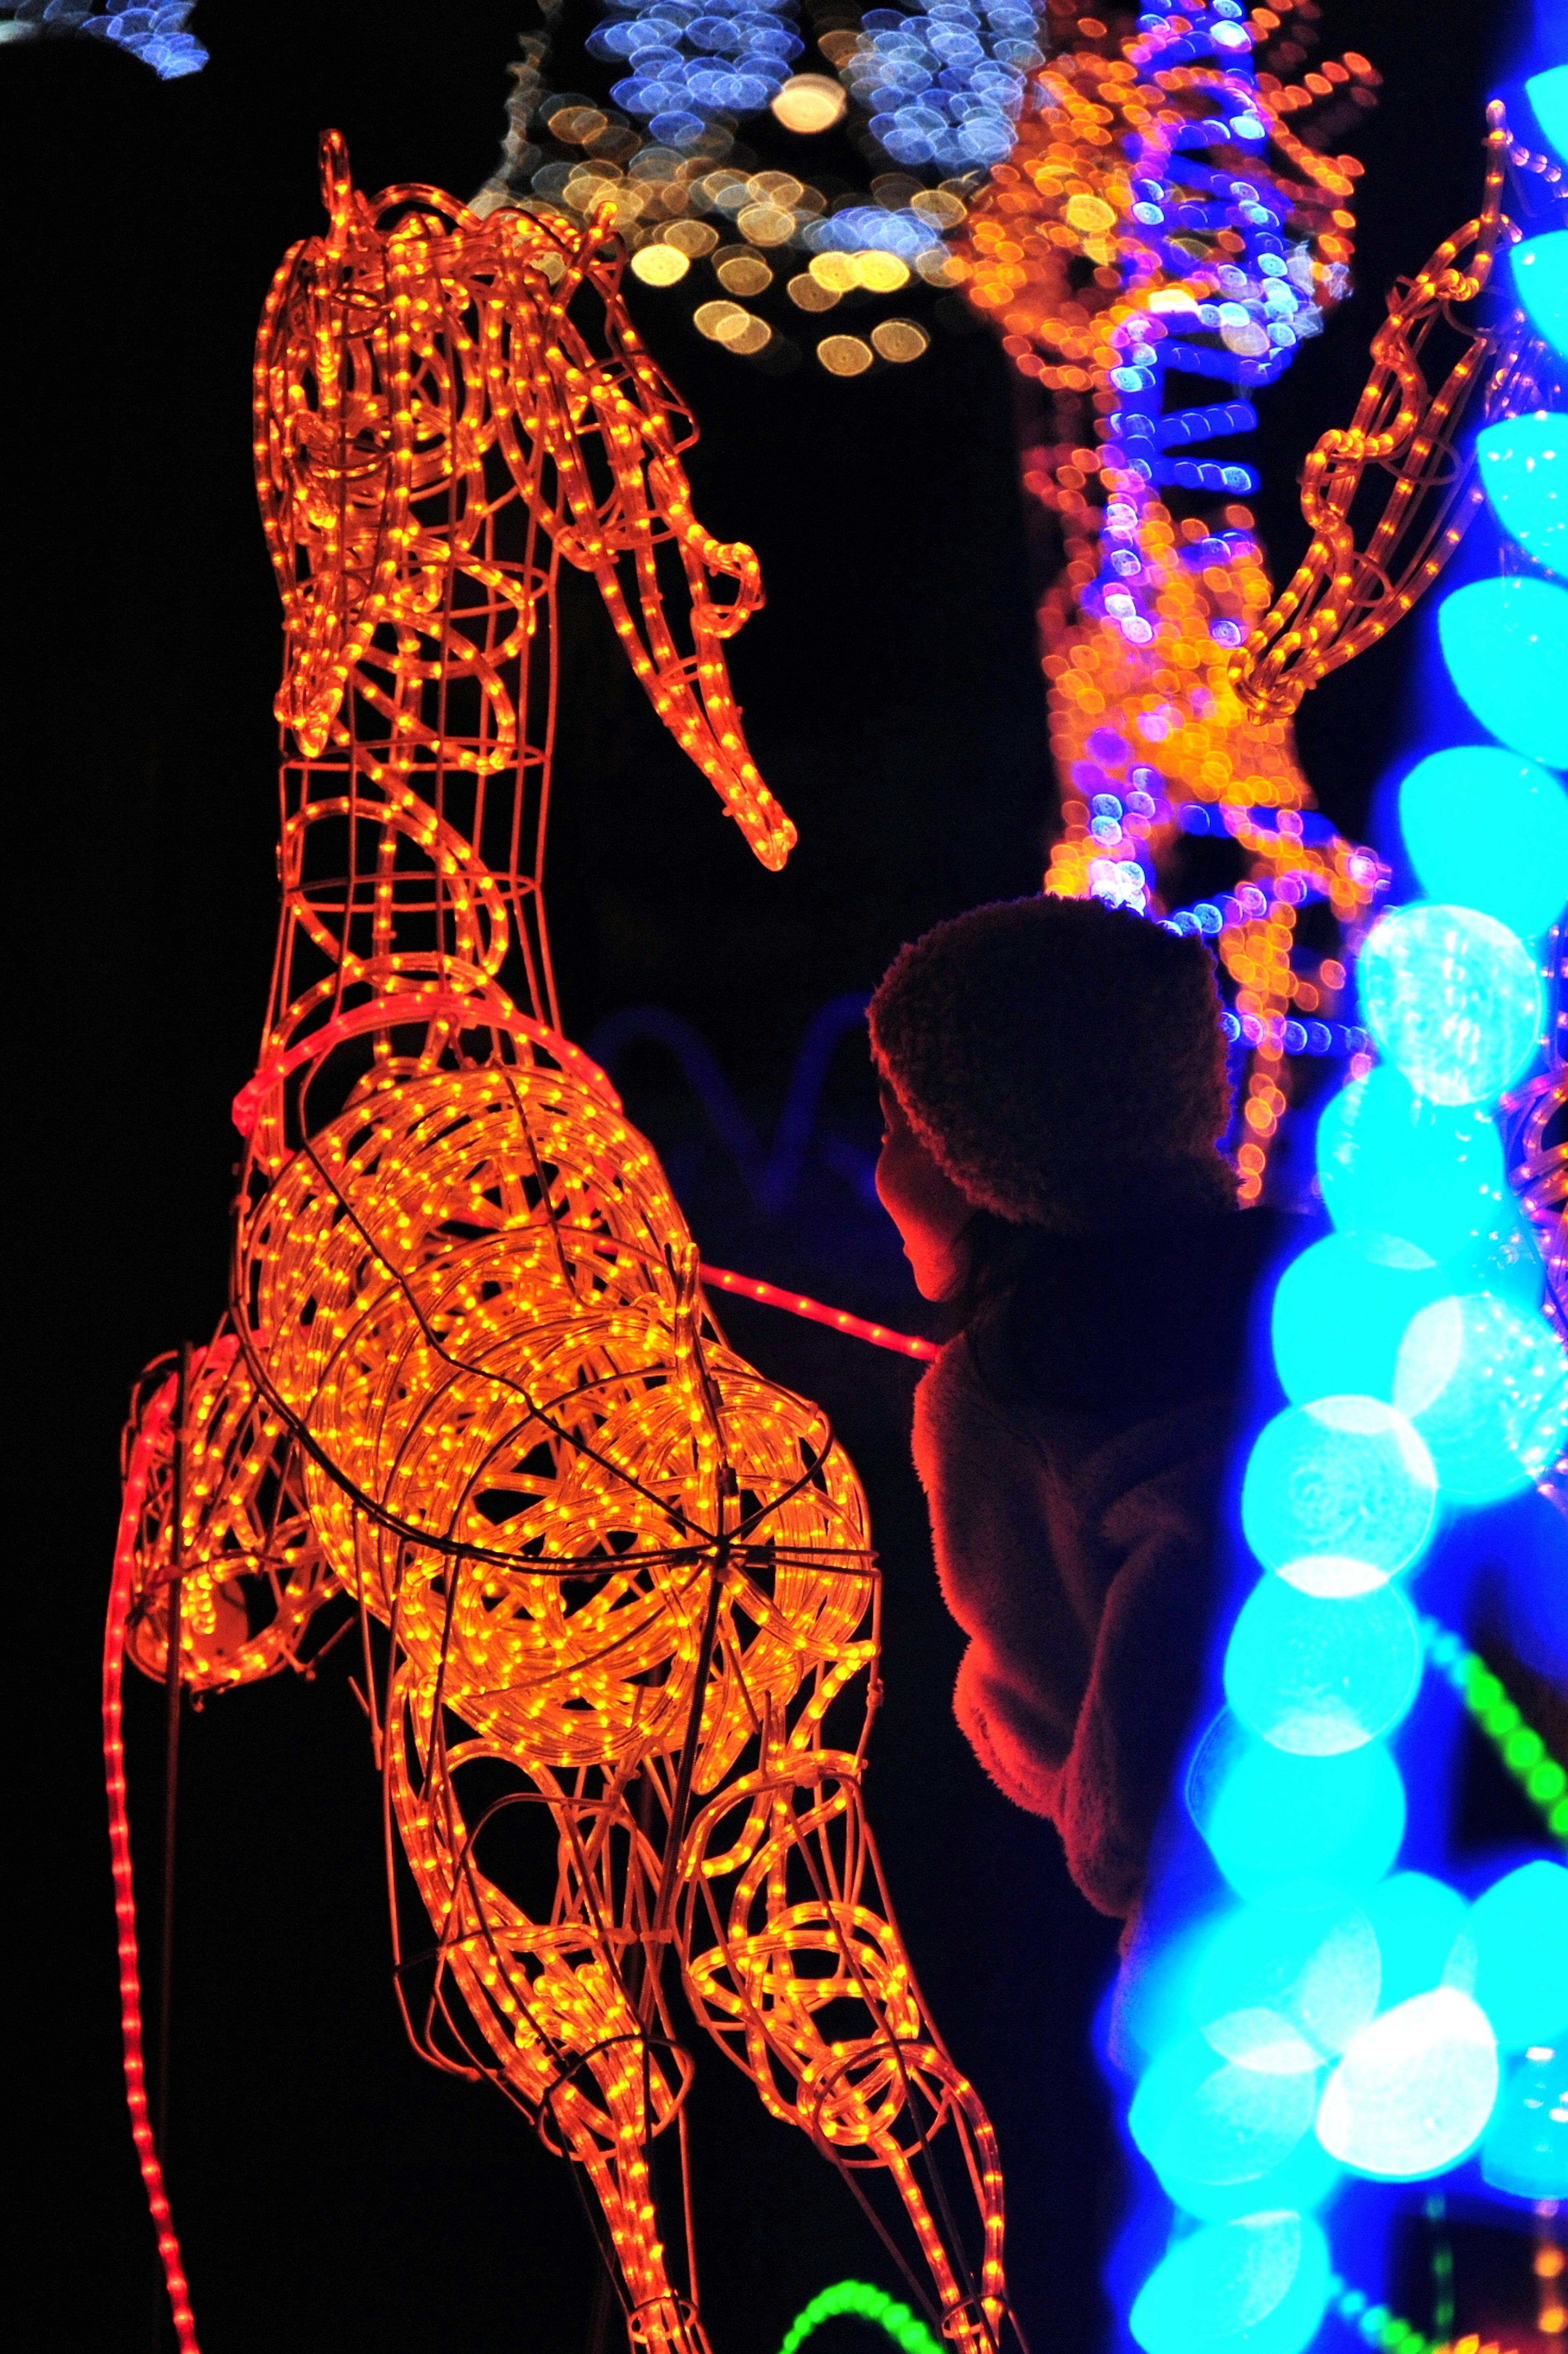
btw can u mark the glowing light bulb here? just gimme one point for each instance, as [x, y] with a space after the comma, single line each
[1317, 1675]
[1273, 1820]
[1287, 1981]
[1524, 472]
[1525, 2152]
[1541, 281]
[1261, 2283]
[1414, 2090]
[1506, 645]
[1339, 1476]
[1213, 2129]
[1487, 1389]
[1485, 829]
[1453, 997]
[1421, 1927]
[1341, 1310]
[1548, 94]
[1391, 1162]
[1519, 1931]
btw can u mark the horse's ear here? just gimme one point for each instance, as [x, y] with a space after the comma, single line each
[337, 179]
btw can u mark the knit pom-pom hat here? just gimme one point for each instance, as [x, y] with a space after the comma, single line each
[1063, 1062]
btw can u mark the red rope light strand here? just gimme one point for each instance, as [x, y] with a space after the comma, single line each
[125, 1574]
[904, 1344]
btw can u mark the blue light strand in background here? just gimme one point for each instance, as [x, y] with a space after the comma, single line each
[156, 35]
[945, 83]
[689, 63]
[1394, 2027]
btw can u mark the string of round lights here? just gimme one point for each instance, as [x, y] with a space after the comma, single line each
[1342, 2016]
[607, 1578]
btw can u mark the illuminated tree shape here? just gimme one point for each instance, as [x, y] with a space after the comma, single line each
[1152, 167]
[469, 1378]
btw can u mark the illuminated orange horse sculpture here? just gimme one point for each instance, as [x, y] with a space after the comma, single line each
[468, 1379]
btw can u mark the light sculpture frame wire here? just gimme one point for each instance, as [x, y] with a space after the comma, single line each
[469, 1381]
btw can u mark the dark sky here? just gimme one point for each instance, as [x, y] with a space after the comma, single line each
[335, 2193]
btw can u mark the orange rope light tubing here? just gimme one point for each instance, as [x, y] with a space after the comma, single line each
[1341, 598]
[751, 1287]
[468, 1379]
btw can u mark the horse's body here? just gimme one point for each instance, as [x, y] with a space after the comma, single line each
[467, 1377]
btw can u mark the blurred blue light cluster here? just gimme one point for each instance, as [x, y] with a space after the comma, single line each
[864, 228]
[157, 35]
[1267, 301]
[944, 84]
[1345, 2015]
[1336, 1038]
[690, 62]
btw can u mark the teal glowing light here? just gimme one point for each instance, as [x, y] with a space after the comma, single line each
[1548, 94]
[1485, 829]
[1519, 1931]
[1390, 1162]
[1453, 997]
[1274, 1821]
[1524, 472]
[1506, 645]
[1317, 1675]
[1525, 2152]
[1260, 2284]
[1283, 1983]
[907, 2331]
[1541, 281]
[1213, 2129]
[1414, 2090]
[1422, 1929]
[1341, 1476]
[1487, 1389]
[1341, 1310]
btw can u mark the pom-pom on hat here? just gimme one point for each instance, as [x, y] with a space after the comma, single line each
[1063, 1062]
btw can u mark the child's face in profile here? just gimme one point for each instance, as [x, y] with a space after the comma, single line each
[926, 1207]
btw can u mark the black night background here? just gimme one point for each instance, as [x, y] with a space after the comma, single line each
[332, 2190]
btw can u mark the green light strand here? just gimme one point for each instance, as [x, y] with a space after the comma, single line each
[1521, 1748]
[906, 2329]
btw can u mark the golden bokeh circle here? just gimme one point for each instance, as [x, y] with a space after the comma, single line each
[844, 354]
[744, 273]
[900, 340]
[808, 102]
[660, 265]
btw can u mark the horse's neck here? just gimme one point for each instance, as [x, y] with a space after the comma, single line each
[412, 847]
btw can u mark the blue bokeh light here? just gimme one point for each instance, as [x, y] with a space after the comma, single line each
[1525, 2152]
[1339, 1476]
[1548, 94]
[1485, 829]
[1487, 1389]
[1519, 1931]
[1453, 997]
[1320, 1674]
[1541, 281]
[1341, 1310]
[1524, 472]
[1413, 2092]
[1506, 645]
[1261, 2284]
[1391, 1162]
[1285, 1983]
[1421, 1927]
[1213, 2129]
[1273, 1820]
